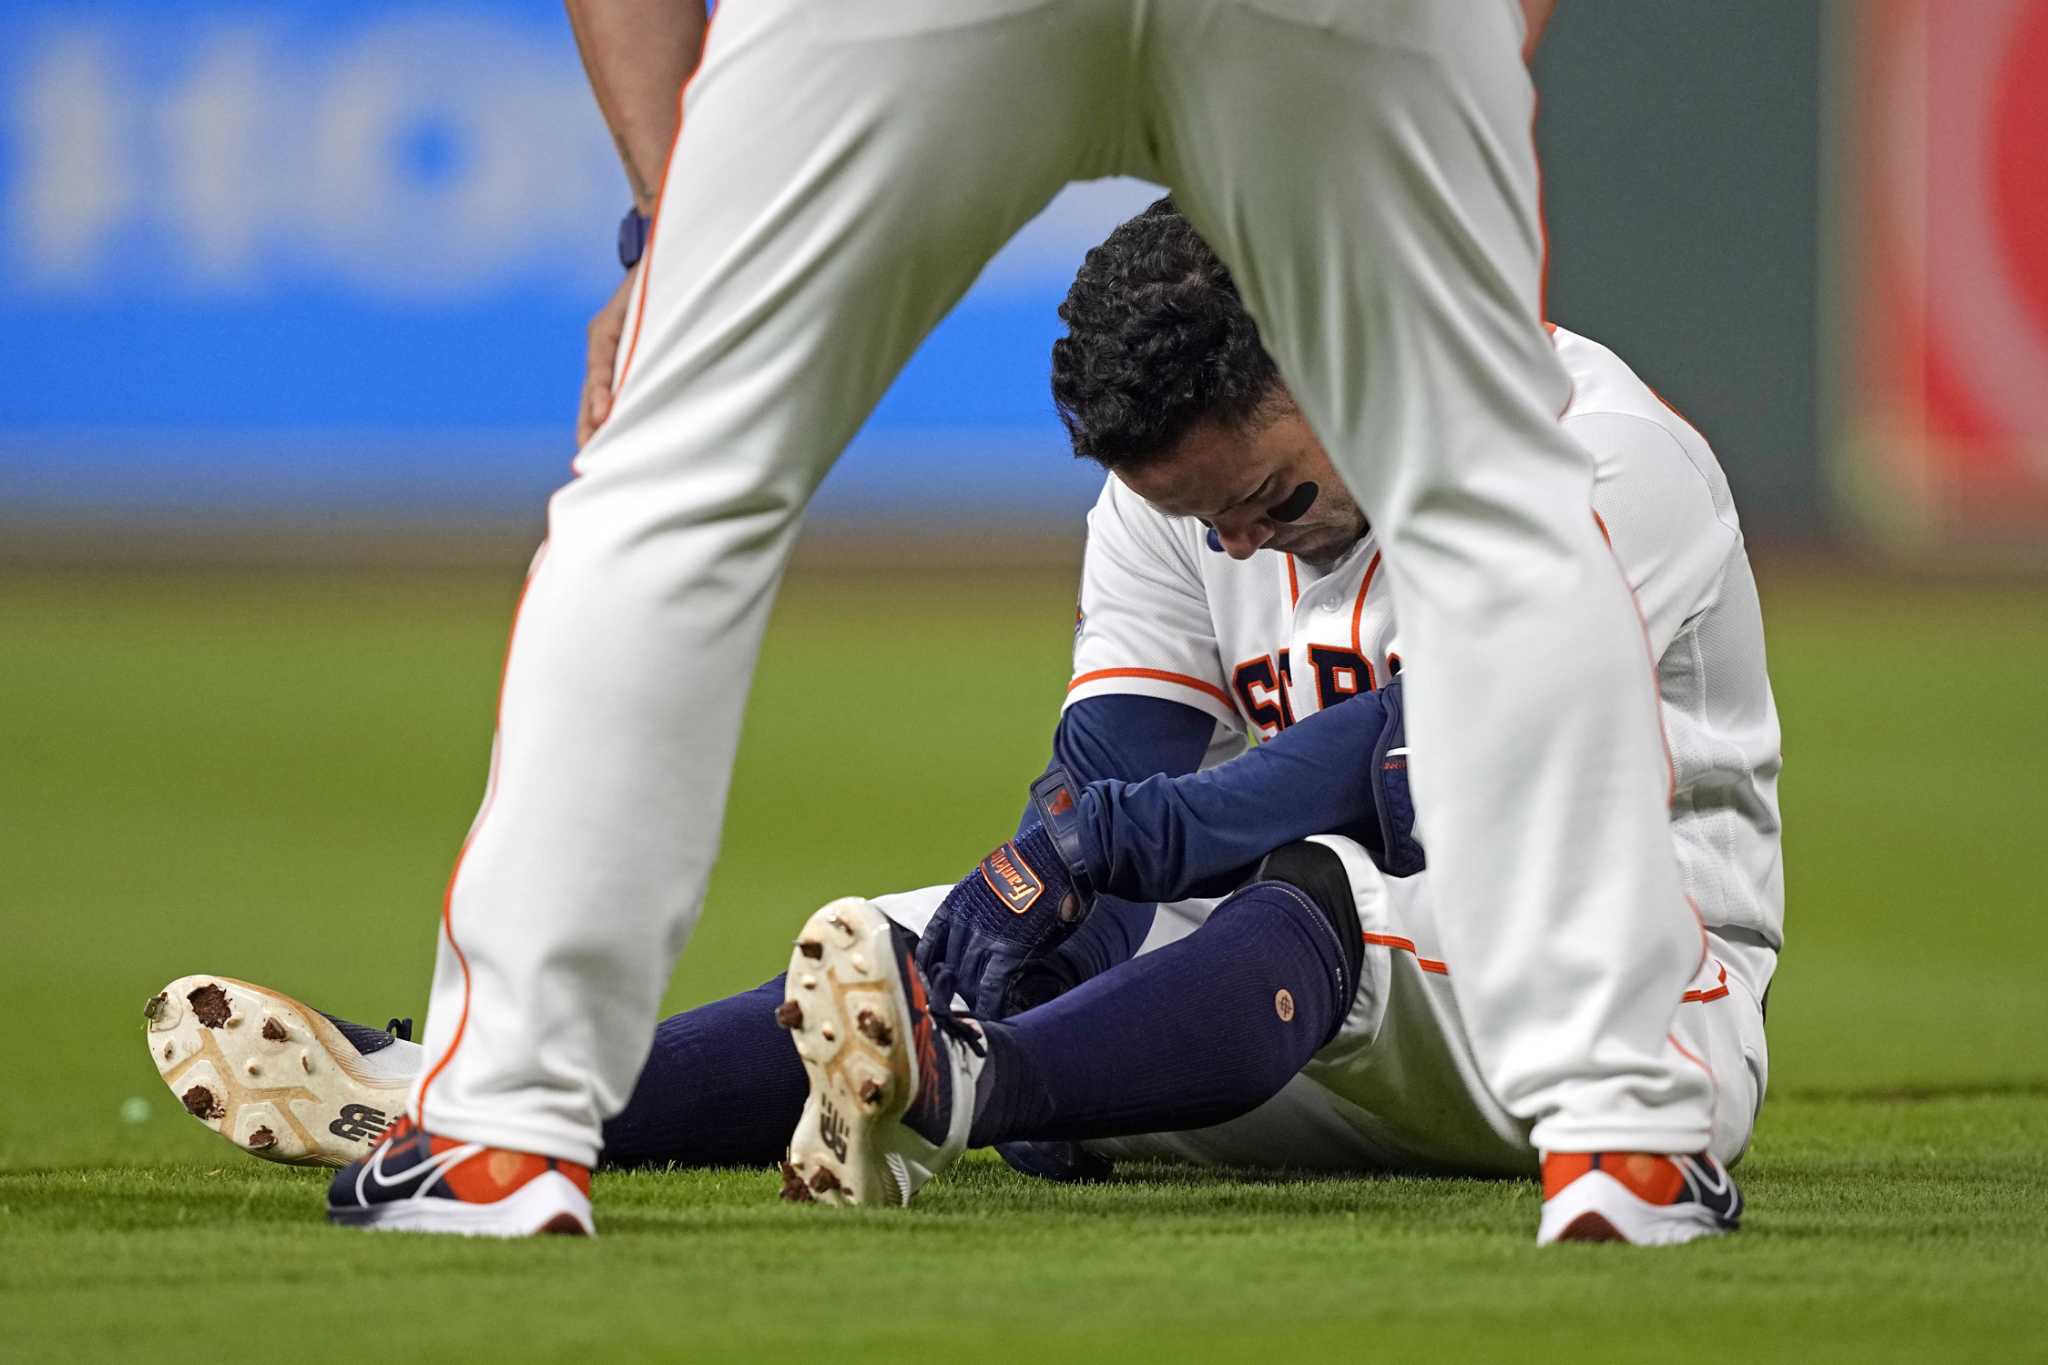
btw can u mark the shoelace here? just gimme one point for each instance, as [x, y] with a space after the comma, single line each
[942, 988]
[401, 1029]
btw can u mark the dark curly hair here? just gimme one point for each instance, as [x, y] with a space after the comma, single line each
[1157, 342]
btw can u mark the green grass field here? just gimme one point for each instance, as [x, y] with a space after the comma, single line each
[267, 775]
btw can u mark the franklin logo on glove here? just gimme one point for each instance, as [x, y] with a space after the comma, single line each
[1011, 878]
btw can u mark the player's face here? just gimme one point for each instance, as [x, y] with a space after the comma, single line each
[1249, 487]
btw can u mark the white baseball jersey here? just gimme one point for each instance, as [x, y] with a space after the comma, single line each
[1258, 643]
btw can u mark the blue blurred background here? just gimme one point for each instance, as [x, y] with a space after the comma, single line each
[302, 261]
[290, 266]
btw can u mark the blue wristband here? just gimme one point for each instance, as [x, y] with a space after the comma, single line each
[632, 237]
[1056, 799]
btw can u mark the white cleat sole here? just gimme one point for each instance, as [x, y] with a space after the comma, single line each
[548, 1203]
[845, 1011]
[1598, 1208]
[269, 1074]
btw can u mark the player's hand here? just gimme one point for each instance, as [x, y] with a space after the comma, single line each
[600, 360]
[1018, 905]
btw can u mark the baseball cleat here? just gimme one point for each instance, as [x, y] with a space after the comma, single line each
[416, 1182]
[1640, 1197]
[278, 1079]
[892, 1074]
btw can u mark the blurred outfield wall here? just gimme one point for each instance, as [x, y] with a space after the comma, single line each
[298, 263]
[292, 264]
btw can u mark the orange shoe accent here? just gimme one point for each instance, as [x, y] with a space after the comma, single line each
[1651, 1177]
[493, 1173]
[490, 1175]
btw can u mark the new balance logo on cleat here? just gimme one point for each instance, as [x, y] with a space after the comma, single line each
[832, 1131]
[360, 1123]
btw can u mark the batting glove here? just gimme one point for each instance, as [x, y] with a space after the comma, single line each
[1023, 901]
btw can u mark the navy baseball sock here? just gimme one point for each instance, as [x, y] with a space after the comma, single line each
[1194, 1034]
[722, 1087]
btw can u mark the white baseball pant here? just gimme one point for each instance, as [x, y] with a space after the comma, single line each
[842, 173]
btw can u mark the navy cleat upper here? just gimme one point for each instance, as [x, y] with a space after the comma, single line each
[930, 1113]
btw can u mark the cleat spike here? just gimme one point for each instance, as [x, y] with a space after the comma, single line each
[807, 981]
[210, 1005]
[870, 1093]
[872, 1026]
[810, 948]
[200, 1104]
[828, 1033]
[789, 1015]
[794, 1190]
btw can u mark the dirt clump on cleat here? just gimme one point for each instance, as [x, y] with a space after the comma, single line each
[871, 1024]
[200, 1103]
[870, 1093]
[811, 948]
[274, 1031]
[261, 1139]
[823, 1181]
[210, 1005]
[789, 1014]
[794, 1191]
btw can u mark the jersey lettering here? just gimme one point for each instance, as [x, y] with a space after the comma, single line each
[1340, 673]
[1260, 695]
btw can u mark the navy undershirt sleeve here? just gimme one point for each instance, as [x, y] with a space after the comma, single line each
[1129, 738]
[1168, 837]
[1124, 738]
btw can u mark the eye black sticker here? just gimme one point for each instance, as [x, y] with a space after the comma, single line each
[1295, 505]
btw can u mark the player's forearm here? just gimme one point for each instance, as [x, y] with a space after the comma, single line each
[637, 54]
[1128, 737]
[1166, 838]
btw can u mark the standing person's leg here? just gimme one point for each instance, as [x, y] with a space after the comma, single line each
[1367, 171]
[841, 176]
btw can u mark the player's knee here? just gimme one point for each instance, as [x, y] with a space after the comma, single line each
[1317, 872]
